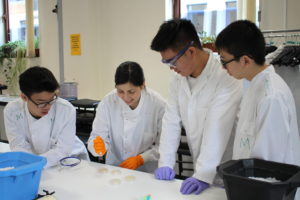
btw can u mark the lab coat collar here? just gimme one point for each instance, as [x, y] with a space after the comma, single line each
[210, 66]
[248, 84]
[32, 119]
[203, 77]
[40, 128]
[134, 113]
[269, 69]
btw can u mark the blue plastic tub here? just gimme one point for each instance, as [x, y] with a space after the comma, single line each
[21, 182]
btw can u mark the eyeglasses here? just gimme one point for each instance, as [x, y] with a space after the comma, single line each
[172, 61]
[224, 63]
[44, 104]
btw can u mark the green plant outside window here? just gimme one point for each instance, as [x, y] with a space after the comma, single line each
[204, 38]
[12, 63]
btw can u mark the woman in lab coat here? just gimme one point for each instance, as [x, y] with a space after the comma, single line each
[40, 122]
[128, 122]
[267, 126]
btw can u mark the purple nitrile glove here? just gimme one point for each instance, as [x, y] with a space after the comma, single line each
[191, 185]
[164, 173]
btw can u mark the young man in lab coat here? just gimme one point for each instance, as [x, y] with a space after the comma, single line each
[40, 122]
[203, 99]
[267, 126]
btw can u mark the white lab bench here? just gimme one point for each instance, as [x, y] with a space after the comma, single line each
[93, 181]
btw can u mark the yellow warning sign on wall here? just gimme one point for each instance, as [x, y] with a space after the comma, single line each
[75, 44]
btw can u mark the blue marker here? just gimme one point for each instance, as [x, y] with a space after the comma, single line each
[148, 197]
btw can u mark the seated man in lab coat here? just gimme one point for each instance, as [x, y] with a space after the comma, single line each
[40, 122]
[203, 99]
[267, 126]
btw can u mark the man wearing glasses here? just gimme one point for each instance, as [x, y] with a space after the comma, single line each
[40, 122]
[267, 126]
[203, 99]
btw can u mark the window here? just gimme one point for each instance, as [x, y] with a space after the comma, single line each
[210, 16]
[14, 15]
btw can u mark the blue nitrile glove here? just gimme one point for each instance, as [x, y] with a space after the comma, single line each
[191, 185]
[164, 173]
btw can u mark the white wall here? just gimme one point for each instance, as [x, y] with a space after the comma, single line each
[112, 31]
[293, 14]
[48, 36]
[82, 17]
[279, 14]
[78, 17]
[128, 28]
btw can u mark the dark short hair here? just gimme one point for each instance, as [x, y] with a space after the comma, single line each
[240, 38]
[129, 72]
[175, 34]
[37, 79]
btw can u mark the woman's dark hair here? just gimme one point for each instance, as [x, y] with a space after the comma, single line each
[130, 72]
[37, 79]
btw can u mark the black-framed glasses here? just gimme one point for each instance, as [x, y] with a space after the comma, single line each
[44, 104]
[172, 61]
[224, 63]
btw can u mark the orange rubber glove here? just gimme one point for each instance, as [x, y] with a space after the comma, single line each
[132, 162]
[99, 146]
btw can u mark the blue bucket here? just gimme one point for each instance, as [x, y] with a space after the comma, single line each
[22, 181]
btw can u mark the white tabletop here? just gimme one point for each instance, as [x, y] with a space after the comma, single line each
[89, 181]
[95, 181]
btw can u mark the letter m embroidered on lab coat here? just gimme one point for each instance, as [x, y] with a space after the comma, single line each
[245, 143]
[19, 116]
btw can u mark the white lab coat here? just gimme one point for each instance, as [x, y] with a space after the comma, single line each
[127, 132]
[267, 126]
[52, 136]
[207, 113]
